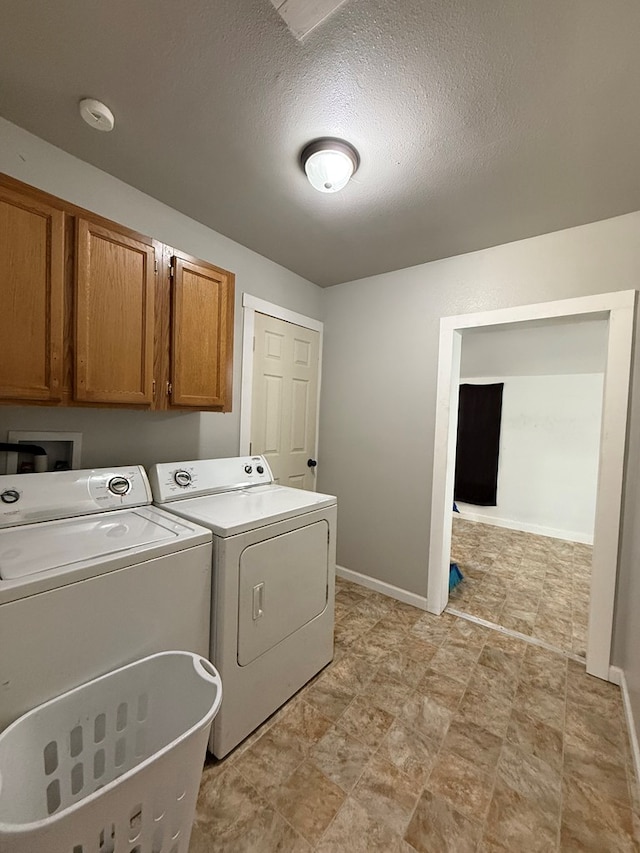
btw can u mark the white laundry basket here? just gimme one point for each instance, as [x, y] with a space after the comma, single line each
[112, 766]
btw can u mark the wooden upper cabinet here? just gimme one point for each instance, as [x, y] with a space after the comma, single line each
[31, 298]
[115, 296]
[201, 334]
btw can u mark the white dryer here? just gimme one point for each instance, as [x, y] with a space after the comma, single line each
[91, 578]
[273, 582]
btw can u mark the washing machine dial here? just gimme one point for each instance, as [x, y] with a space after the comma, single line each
[10, 496]
[182, 478]
[119, 486]
[248, 469]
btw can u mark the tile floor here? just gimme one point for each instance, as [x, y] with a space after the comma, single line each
[431, 734]
[531, 584]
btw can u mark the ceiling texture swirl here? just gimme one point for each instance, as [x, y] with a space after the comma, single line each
[478, 122]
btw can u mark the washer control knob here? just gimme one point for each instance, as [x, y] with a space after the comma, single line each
[248, 469]
[182, 478]
[10, 496]
[260, 469]
[119, 486]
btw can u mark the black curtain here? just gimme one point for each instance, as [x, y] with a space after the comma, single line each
[479, 415]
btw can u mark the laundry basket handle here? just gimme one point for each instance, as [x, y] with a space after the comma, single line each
[206, 669]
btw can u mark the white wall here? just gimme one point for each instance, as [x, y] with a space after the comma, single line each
[548, 462]
[113, 436]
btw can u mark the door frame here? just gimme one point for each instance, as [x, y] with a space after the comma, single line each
[251, 305]
[619, 308]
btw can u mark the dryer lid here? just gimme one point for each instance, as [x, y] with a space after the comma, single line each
[234, 512]
[37, 548]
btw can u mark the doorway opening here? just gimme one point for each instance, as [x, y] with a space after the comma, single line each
[617, 311]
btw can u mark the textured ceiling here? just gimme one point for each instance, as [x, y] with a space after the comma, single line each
[477, 122]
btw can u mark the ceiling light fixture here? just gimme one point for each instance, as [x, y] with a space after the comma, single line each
[329, 164]
[96, 114]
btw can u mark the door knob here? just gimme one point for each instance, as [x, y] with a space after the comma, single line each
[311, 463]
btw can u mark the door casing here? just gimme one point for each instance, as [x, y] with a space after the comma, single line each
[619, 309]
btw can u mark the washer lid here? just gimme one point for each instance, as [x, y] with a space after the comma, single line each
[37, 548]
[235, 512]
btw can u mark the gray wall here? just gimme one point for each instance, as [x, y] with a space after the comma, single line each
[113, 436]
[379, 391]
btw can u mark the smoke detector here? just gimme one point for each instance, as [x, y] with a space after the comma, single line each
[96, 114]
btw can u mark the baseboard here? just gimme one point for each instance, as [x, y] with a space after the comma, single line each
[615, 675]
[553, 533]
[631, 724]
[389, 589]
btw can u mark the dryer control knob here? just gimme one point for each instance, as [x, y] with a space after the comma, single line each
[182, 478]
[119, 486]
[260, 469]
[248, 469]
[10, 496]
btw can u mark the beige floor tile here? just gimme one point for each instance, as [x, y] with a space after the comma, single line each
[543, 705]
[270, 761]
[537, 738]
[456, 663]
[516, 824]
[356, 831]
[410, 751]
[309, 801]
[530, 777]
[477, 745]
[387, 694]
[387, 794]
[608, 777]
[330, 696]
[366, 722]
[427, 717]
[485, 710]
[485, 680]
[437, 827]
[462, 783]
[430, 630]
[232, 818]
[301, 723]
[592, 823]
[403, 668]
[442, 689]
[340, 757]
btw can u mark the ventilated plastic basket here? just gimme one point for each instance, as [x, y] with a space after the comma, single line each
[112, 766]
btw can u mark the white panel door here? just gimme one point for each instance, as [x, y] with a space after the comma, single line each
[285, 399]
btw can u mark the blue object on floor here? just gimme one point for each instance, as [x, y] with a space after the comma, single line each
[455, 576]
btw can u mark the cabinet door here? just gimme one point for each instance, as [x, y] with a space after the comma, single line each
[115, 284]
[202, 335]
[32, 298]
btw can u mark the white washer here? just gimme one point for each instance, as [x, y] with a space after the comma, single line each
[274, 558]
[92, 578]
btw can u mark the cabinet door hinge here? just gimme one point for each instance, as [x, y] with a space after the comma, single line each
[155, 266]
[171, 270]
[153, 389]
[169, 388]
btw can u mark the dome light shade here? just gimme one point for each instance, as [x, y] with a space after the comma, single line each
[329, 164]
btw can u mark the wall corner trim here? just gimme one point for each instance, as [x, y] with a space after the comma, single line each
[617, 676]
[388, 589]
